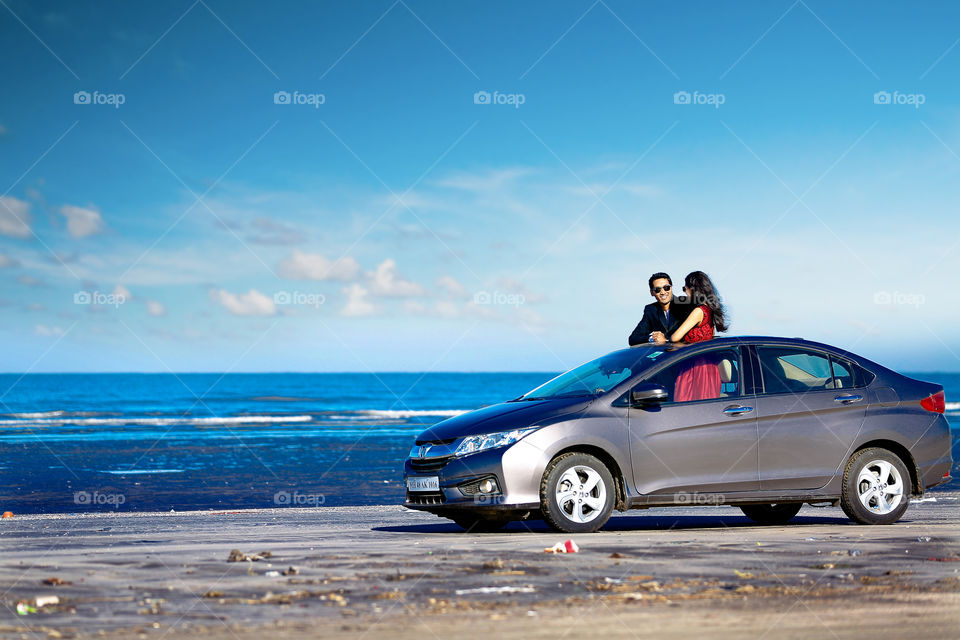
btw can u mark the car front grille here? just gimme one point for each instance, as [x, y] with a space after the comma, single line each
[429, 464]
[425, 498]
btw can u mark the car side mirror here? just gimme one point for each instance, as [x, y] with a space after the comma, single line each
[647, 393]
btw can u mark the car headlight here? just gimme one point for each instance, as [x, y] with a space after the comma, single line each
[472, 444]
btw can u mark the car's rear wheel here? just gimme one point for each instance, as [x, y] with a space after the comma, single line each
[577, 493]
[771, 513]
[478, 524]
[876, 487]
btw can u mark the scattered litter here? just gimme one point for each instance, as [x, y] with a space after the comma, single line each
[743, 574]
[855, 552]
[616, 555]
[488, 590]
[291, 571]
[812, 539]
[924, 539]
[56, 582]
[272, 574]
[948, 559]
[238, 556]
[8, 514]
[25, 608]
[563, 547]
[613, 581]
[923, 500]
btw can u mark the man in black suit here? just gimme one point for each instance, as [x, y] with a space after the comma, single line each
[660, 318]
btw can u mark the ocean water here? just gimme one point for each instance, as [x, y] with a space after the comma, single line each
[79, 442]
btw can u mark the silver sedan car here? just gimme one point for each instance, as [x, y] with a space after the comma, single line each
[766, 424]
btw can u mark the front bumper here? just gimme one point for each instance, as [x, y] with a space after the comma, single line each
[514, 468]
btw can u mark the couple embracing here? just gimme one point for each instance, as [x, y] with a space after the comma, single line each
[692, 318]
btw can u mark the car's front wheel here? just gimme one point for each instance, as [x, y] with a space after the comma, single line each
[876, 487]
[771, 513]
[577, 493]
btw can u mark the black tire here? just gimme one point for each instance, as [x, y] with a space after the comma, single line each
[478, 524]
[565, 517]
[771, 513]
[857, 490]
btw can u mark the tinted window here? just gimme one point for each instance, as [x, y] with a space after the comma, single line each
[842, 374]
[706, 376]
[789, 370]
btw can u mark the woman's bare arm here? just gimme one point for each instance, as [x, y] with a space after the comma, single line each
[694, 319]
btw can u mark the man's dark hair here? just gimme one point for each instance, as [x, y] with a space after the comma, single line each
[659, 275]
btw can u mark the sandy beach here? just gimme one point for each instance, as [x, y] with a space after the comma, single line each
[387, 571]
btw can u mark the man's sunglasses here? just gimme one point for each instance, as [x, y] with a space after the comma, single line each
[665, 287]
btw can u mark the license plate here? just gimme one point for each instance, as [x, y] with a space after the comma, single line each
[423, 483]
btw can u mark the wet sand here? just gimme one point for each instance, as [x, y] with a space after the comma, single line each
[386, 571]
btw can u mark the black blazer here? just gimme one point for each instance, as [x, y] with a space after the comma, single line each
[653, 320]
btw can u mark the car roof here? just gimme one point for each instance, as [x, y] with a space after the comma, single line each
[761, 340]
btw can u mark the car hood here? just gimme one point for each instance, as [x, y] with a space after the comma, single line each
[503, 417]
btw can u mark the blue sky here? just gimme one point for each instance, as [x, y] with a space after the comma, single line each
[389, 216]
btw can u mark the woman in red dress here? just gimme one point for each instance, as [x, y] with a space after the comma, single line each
[701, 380]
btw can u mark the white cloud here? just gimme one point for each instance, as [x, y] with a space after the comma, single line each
[385, 281]
[273, 232]
[513, 286]
[484, 181]
[447, 309]
[30, 281]
[7, 261]
[357, 303]
[82, 222]
[451, 286]
[14, 217]
[44, 330]
[313, 266]
[156, 309]
[252, 303]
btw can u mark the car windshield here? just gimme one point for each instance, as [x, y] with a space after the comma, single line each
[598, 376]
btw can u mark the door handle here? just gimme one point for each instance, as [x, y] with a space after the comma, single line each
[736, 410]
[847, 399]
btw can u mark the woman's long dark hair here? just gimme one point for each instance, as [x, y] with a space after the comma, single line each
[701, 291]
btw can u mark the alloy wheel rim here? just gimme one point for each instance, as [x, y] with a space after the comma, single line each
[581, 494]
[880, 487]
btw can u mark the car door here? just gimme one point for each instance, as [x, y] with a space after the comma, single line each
[702, 442]
[809, 413]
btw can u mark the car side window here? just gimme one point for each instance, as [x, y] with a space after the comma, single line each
[705, 376]
[790, 370]
[842, 374]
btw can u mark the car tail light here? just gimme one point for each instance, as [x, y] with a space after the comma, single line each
[935, 403]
